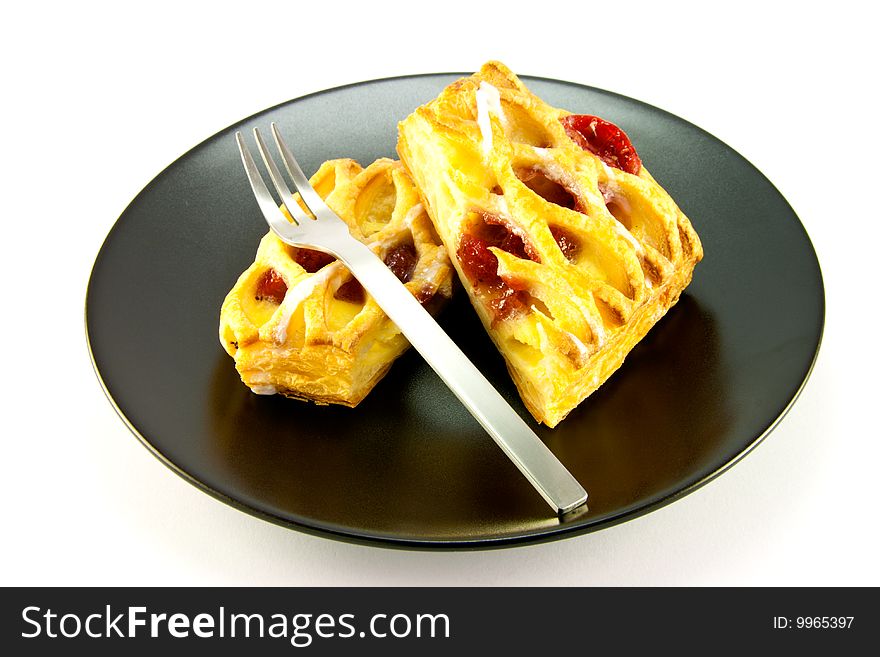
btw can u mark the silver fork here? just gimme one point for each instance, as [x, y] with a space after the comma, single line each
[329, 234]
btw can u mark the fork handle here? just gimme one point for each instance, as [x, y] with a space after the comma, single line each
[533, 458]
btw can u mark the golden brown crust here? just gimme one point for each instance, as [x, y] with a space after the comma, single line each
[314, 345]
[474, 154]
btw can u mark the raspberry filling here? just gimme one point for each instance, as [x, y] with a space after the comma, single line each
[312, 260]
[271, 287]
[401, 260]
[350, 291]
[508, 303]
[605, 140]
[504, 297]
[424, 295]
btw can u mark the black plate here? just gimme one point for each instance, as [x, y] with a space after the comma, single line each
[409, 466]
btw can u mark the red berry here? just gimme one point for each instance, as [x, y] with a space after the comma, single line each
[477, 261]
[401, 260]
[350, 291]
[497, 232]
[424, 295]
[312, 260]
[271, 287]
[480, 265]
[603, 139]
[508, 303]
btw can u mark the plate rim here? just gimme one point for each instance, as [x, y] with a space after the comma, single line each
[541, 535]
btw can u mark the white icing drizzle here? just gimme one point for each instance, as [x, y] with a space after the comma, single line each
[545, 155]
[488, 101]
[560, 175]
[296, 295]
[501, 205]
[609, 172]
[379, 246]
[610, 195]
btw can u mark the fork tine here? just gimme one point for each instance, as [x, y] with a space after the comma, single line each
[261, 192]
[278, 180]
[306, 191]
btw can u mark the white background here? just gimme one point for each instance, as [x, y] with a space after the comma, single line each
[100, 98]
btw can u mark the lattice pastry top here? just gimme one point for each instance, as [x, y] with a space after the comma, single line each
[569, 250]
[297, 323]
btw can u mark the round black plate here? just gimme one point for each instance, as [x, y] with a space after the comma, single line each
[409, 466]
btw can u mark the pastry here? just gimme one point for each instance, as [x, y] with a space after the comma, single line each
[298, 324]
[569, 250]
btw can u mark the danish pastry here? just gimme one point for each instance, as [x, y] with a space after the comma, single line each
[298, 324]
[567, 247]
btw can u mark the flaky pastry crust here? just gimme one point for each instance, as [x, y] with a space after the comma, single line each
[589, 256]
[296, 322]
